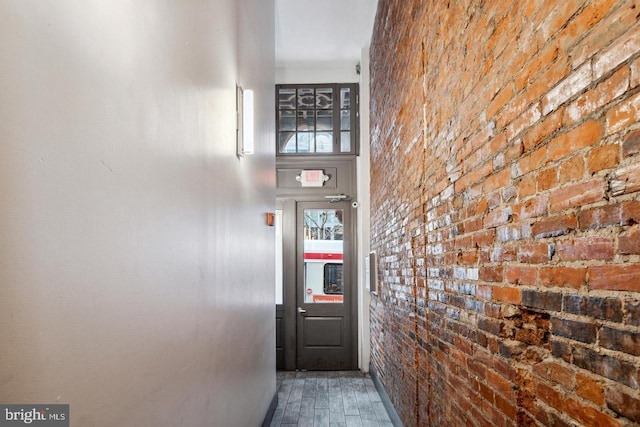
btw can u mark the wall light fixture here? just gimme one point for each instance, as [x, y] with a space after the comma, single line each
[244, 128]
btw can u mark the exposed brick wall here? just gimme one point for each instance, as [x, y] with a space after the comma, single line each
[505, 192]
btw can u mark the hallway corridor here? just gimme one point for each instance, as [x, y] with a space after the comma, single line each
[331, 399]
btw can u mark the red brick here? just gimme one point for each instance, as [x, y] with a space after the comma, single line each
[568, 277]
[497, 180]
[578, 194]
[633, 312]
[497, 217]
[528, 118]
[508, 295]
[472, 225]
[619, 51]
[629, 243]
[547, 179]
[548, 301]
[611, 28]
[623, 115]
[511, 111]
[535, 253]
[533, 207]
[550, 369]
[527, 186]
[474, 176]
[559, 18]
[574, 330]
[484, 238]
[536, 65]
[520, 153]
[499, 384]
[635, 73]
[585, 135]
[586, 19]
[558, 420]
[483, 390]
[571, 169]
[533, 161]
[588, 415]
[542, 130]
[631, 144]
[615, 277]
[562, 374]
[508, 409]
[600, 217]
[541, 369]
[499, 101]
[620, 340]
[624, 402]
[549, 395]
[476, 368]
[554, 226]
[601, 95]
[625, 180]
[504, 368]
[469, 257]
[604, 157]
[590, 389]
[490, 274]
[482, 206]
[520, 275]
[498, 144]
[545, 82]
[485, 292]
[630, 212]
[494, 200]
[573, 84]
[585, 248]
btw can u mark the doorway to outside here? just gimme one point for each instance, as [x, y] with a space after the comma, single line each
[316, 281]
[316, 317]
[321, 291]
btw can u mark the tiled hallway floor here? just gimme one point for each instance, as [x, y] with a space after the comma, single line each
[328, 399]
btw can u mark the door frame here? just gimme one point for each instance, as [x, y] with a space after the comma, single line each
[341, 170]
[291, 274]
[324, 311]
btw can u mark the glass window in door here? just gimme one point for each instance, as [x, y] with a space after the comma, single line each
[323, 256]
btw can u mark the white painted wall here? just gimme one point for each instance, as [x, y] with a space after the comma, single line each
[136, 269]
[364, 222]
[317, 72]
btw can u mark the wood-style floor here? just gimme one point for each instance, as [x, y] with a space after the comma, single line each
[328, 399]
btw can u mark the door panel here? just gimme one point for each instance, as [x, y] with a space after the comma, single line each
[324, 289]
[322, 331]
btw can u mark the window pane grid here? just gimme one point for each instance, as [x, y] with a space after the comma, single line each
[315, 119]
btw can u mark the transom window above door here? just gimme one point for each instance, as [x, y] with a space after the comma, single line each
[317, 119]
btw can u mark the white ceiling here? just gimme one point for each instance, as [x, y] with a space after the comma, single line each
[311, 31]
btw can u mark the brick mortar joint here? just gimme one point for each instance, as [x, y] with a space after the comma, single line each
[633, 360]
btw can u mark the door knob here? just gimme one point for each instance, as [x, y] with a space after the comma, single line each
[301, 310]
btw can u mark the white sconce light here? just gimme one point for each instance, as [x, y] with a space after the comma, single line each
[244, 128]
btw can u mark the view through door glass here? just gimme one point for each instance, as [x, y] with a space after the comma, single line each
[323, 256]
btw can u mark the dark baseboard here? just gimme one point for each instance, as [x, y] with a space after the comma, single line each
[395, 419]
[271, 411]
